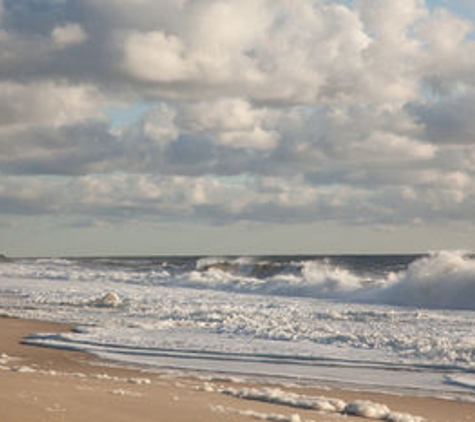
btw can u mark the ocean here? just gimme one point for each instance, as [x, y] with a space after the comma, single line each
[396, 323]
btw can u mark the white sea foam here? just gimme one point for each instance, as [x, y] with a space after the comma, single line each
[317, 319]
[109, 300]
[140, 381]
[281, 397]
[6, 359]
[403, 417]
[442, 280]
[273, 417]
[24, 369]
[361, 408]
[125, 393]
[367, 409]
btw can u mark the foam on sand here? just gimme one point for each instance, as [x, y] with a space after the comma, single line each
[367, 409]
[361, 408]
[278, 396]
[6, 365]
[273, 417]
[6, 359]
[24, 369]
[261, 416]
[125, 393]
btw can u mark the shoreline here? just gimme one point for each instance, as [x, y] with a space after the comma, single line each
[42, 384]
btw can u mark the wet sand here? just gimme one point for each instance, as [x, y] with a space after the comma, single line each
[46, 385]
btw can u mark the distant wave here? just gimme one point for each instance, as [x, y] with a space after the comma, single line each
[443, 279]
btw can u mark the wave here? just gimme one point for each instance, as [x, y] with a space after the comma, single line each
[444, 279]
[441, 280]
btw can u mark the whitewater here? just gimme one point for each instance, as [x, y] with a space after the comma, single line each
[382, 323]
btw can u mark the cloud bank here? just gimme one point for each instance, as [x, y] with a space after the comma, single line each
[270, 111]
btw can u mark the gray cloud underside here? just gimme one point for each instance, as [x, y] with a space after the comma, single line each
[256, 110]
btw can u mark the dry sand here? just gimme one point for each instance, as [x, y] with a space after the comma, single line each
[47, 385]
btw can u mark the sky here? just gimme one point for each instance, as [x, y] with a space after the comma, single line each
[144, 127]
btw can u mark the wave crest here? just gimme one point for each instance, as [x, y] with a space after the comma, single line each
[443, 279]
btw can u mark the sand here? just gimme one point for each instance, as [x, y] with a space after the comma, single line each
[47, 385]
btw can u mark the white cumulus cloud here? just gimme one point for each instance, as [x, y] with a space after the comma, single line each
[68, 35]
[292, 111]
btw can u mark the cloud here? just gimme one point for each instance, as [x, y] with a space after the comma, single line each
[388, 147]
[448, 56]
[288, 111]
[308, 52]
[155, 57]
[216, 201]
[68, 35]
[120, 198]
[390, 22]
[255, 50]
[66, 150]
[234, 122]
[450, 121]
[48, 103]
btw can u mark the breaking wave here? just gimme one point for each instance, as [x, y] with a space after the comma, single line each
[443, 279]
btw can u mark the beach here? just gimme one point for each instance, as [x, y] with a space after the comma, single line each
[218, 210]
[43, 384]
[229, 210]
